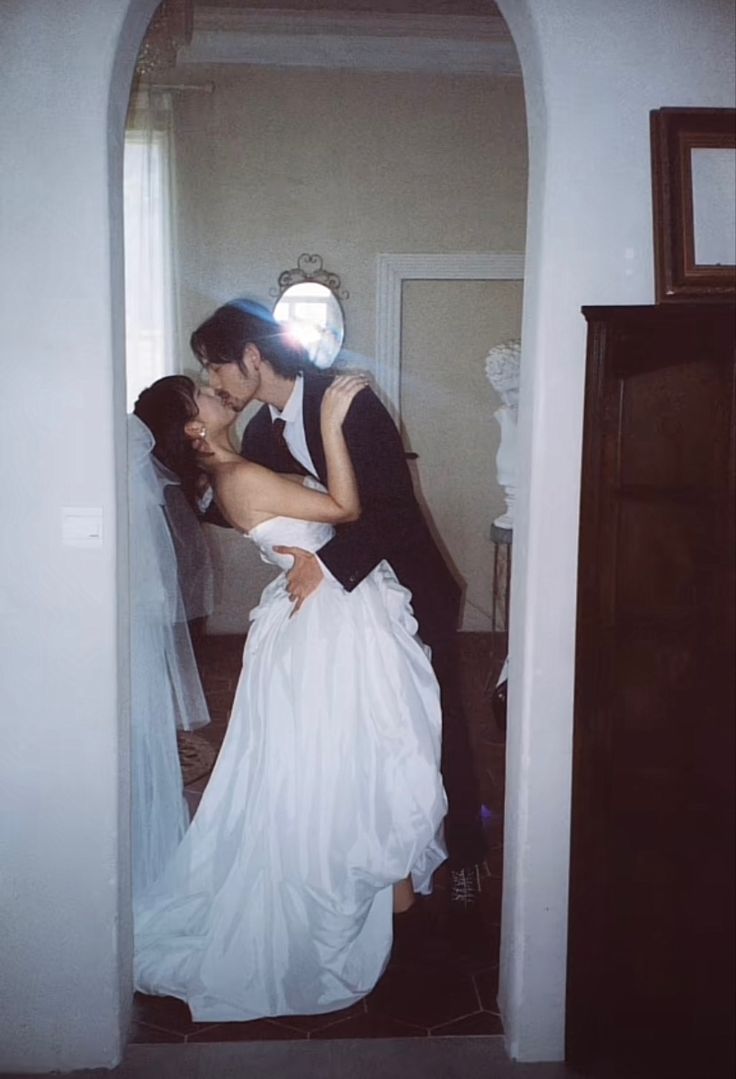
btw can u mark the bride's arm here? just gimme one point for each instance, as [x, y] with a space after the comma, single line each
[341, 481]
[249, 493]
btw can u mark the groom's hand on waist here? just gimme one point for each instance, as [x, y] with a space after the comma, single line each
[304, 577]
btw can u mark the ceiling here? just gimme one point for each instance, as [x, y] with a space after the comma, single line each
[383, 7]
[458, 37]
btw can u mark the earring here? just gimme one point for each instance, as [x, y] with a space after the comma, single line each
[195, 430]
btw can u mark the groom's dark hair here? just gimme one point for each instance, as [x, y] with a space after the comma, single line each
[222, 338]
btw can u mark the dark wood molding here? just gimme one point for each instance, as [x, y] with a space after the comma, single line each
[674, 134]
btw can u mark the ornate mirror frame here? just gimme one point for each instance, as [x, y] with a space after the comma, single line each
[310, 270]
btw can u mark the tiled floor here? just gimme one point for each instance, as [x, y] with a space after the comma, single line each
[442, 977]
[387, 1058]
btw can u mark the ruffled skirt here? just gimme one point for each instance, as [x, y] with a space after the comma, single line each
[326, 792]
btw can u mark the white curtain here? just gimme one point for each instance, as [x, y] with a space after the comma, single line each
[149, 283]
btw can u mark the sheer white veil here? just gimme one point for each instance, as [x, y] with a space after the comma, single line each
[170, 573]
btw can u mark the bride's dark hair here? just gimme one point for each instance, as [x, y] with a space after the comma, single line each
[165, 407]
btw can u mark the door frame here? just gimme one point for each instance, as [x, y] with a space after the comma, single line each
[392, 270]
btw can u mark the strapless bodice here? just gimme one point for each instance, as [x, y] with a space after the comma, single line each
[288, 532]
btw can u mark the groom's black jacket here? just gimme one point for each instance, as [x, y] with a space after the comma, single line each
[391, 525]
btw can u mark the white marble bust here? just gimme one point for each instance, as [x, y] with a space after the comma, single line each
[502, 371]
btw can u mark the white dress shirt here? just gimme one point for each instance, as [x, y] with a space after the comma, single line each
[296, 439]
[294, 434]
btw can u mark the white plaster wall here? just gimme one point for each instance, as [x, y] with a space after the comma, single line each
[348, 165]
[447, 406]
[592, 72]
[65, 988]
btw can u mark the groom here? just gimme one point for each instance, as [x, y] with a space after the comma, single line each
[247, 356]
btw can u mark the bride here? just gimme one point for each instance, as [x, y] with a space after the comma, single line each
[326, 798]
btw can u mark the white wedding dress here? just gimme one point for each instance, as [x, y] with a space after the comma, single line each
[326, 791]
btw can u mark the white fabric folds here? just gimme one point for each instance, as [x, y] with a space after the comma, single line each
[166, 692]
[326, 791]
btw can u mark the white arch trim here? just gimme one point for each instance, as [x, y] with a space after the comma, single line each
[393, 270]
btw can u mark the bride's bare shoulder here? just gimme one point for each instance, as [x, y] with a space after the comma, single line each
[237, 485]
[238, 472]
[241, 485]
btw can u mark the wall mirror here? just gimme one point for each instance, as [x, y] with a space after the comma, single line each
[308, 301]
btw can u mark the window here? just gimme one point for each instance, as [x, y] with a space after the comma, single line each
[148, 261]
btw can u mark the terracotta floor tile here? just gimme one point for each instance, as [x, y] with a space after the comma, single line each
[257, 1030]
[164, 1013]
[473, 946]
[494, 860]
[422, 996]
[308, 1024]
[371, 1025]
[142, 1034]
[486, 983]
[469, 1025]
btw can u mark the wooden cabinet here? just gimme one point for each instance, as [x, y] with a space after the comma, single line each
[651, 944]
